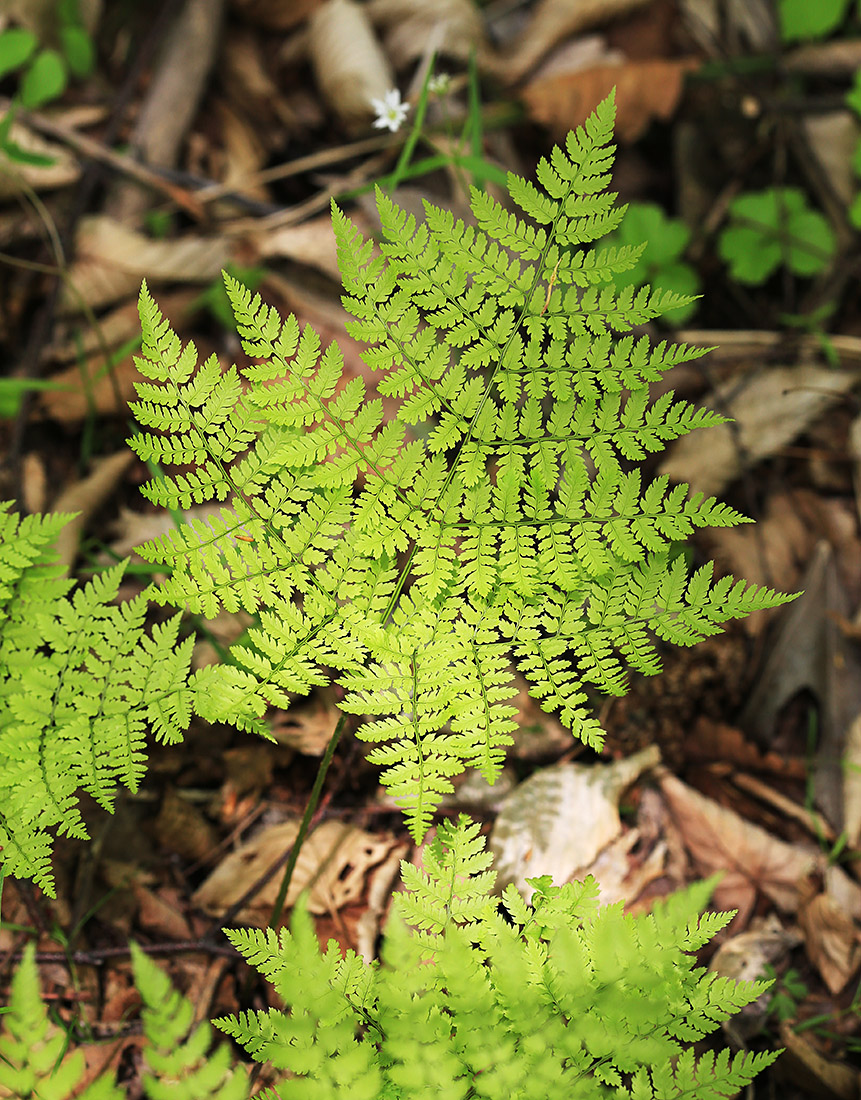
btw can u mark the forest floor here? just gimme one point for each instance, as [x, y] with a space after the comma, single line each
[182, 139]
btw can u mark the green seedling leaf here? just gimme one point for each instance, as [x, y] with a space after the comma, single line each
[660, 263]
[16, 47]
[77, 49]
[772, 228]
[810, 18]
[44, 80]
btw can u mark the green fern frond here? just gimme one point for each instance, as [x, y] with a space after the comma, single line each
[179, 1063]
[495, 518]
[81, 684]
[32, 1062]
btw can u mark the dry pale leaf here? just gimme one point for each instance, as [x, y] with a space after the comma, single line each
[552, 22]
[621, 878]
[851, 767]
[557, 821]
[311, 242]
[831, 940]
[333, 863]
[85, 497]
[307, 726]
[111, 259]
[17, 178]
[348, 61]
[751, 859]
[159, 916]
[644, 90]
[103, 392]
[833, 137]
[843, 890]
[747, 957]
[119, 325]
[408, 25]
[769, 410]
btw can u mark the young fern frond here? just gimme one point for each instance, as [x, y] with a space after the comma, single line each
[81, 682]
[495, 519]
[565, 998]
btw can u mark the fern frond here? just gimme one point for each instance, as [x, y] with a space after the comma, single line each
[82, 683]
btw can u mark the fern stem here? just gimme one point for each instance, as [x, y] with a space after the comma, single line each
[316, 791]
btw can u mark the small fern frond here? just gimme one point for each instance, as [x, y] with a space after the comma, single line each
[179, 1063]
[32, 1062]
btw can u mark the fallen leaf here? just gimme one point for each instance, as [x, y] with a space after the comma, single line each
[620, 876]
[161, 916]
[769, 410]
[557, 821]
[810, 1073]
[333, 863]
[644, 90]
[751, 859]
[181, 827]
[455, 26]
[85, 497]
[831, 940]
[311, 242]
[275, 15]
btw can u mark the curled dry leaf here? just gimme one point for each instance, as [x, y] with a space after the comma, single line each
[620, 877]
[830, 939]
[751, 859]
[311, 242]
[554, 21]
[811, 1072]
[746, 957]
[455, 26]
[333, 863]
[644, 90]
[85, 497]
[17, 178]
[112, 259]
[349, 64]
[557, 821]
[769, 410]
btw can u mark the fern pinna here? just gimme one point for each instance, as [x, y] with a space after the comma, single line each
[81, 684]
[498, 521]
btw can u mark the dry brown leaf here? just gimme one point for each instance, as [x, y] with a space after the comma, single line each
[644, 90]
[111, 260]
[181, 827]
[852, 783]
[161, 916]
[333, 863]
[85, 497]
[311, 242]
[620, 877]
[747, 957]
[831, 940]
[769, 410]
[17, 178]
[348, 61]
[118, 326]
[751, 859]
[109, 393]
[307, 726]
[552, 22]
[809, 1072]
[712, 742]
[455, 26]
[558, 820]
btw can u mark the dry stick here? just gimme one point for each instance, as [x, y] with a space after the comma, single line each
[316, 791]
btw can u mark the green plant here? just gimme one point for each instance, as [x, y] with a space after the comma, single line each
[773, 228]
[555, 999]
[44, 70]
[660, 263]
[789, 991]
[801, 19]
[498, 521]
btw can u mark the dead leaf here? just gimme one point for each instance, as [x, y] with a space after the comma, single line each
[552, 22]
[619, 875]
[809, 1071]
[747, 957]
[112, 259]
[333, 863]
[275, 15]
[455, 26]
[181, 827]
[349, 64]
[85, 497]
[17, 178]
[750, 858]
[559, 819]
[308, 725]
[312, 242]
[644, 90]
[160, 914]
[769, 410]
[831, 940]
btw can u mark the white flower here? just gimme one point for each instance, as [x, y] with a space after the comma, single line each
[391, 112]
[439, 84]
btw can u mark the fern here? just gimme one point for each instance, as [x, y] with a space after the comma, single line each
[563, 998]
[32, 1062]
[492, 523]
[80, 683]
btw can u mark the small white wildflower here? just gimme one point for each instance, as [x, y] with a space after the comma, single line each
[390, 111]
[439, 84]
